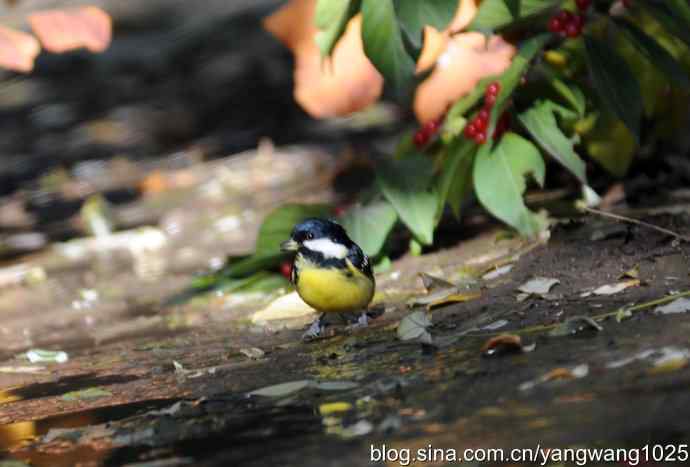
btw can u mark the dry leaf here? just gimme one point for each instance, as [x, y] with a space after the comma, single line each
[413, 327]
[18, 50]
[505, 343]
[576, 372]
[538, 286]
[63, 30]
[611, 289]
[680, 305]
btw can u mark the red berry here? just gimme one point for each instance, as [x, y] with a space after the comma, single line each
[421, 137]
[579, 21]
[627, 3]
[489, 100]
[480, 138]
[470, 131]
[431, 127]
[571, 30]
[555, 25]
[564, 16]
[493, 89]
[480, 124]
[483, 115]
[339, 210]
[286, 269]
[582, 5]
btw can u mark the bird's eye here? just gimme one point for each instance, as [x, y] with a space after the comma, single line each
[310, 236]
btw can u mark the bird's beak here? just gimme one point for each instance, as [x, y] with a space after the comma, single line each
[289, 245]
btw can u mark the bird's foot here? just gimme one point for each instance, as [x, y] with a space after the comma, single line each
[362, 322]
[316, 330]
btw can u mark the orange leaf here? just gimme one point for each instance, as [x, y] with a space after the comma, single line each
[17, 50]
[64, 30]
[345, 83]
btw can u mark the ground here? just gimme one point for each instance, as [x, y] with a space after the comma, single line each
[157, 376]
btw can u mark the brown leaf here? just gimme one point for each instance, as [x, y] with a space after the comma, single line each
[505, 343]
[17, 50]
[64, 30]
[344, 83]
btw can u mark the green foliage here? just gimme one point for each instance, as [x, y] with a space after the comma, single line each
[369, 225]
[384, 45]
[405, 183]
[331, 19]
[584, 100]
[615, 83]
[540, 122]
[499, 181]
[275, 229]
[496, 14]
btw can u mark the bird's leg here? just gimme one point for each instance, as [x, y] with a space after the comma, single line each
[315, 329]
[361, 322]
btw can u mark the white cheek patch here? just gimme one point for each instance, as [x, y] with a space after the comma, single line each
[327, 247]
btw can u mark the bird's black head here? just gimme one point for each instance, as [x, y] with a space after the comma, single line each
[314, 230]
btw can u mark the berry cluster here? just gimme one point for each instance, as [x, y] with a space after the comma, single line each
[426, 132]
[568, 24]
[476, 129]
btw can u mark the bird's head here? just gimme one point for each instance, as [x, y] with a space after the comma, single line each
[319, 235]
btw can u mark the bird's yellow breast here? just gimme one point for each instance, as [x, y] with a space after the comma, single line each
[333, 289]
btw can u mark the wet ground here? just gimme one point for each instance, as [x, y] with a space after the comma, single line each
[157, 377]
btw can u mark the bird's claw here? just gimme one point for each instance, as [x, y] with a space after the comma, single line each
[315, 331]
[362, 322]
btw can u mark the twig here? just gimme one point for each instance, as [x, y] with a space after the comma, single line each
[630, 220]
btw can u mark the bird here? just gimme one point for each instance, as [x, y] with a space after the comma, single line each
[330, 272]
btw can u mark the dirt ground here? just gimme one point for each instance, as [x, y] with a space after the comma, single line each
[385, 391]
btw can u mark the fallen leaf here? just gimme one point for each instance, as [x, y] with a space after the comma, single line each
[86, 394]
[576, 372]
[18, 50]
[335, 385]
[538, 286]
[433, 283]
[632, 273]
[497, 272]
[658, 357]
[284, 307]
[495, 325]
[505, 344]
[611, 289]
[334, 407]
[283, 389]
[253, 352]
[413, 327]
[680, 305]
[575, 325]
[47, 356]
[63, 30]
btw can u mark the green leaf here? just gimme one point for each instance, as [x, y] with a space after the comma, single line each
[673, 15]
[331, 19]
[510, 78]
[369, 225]
[541, 123]
[655, 53]
[499, 181]
[384, 45]
[415, 14]
[615, 84]
[456, 175]
[611, 144]
[572, 94]
[405, 184]
[495, 14]
[275, 229]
